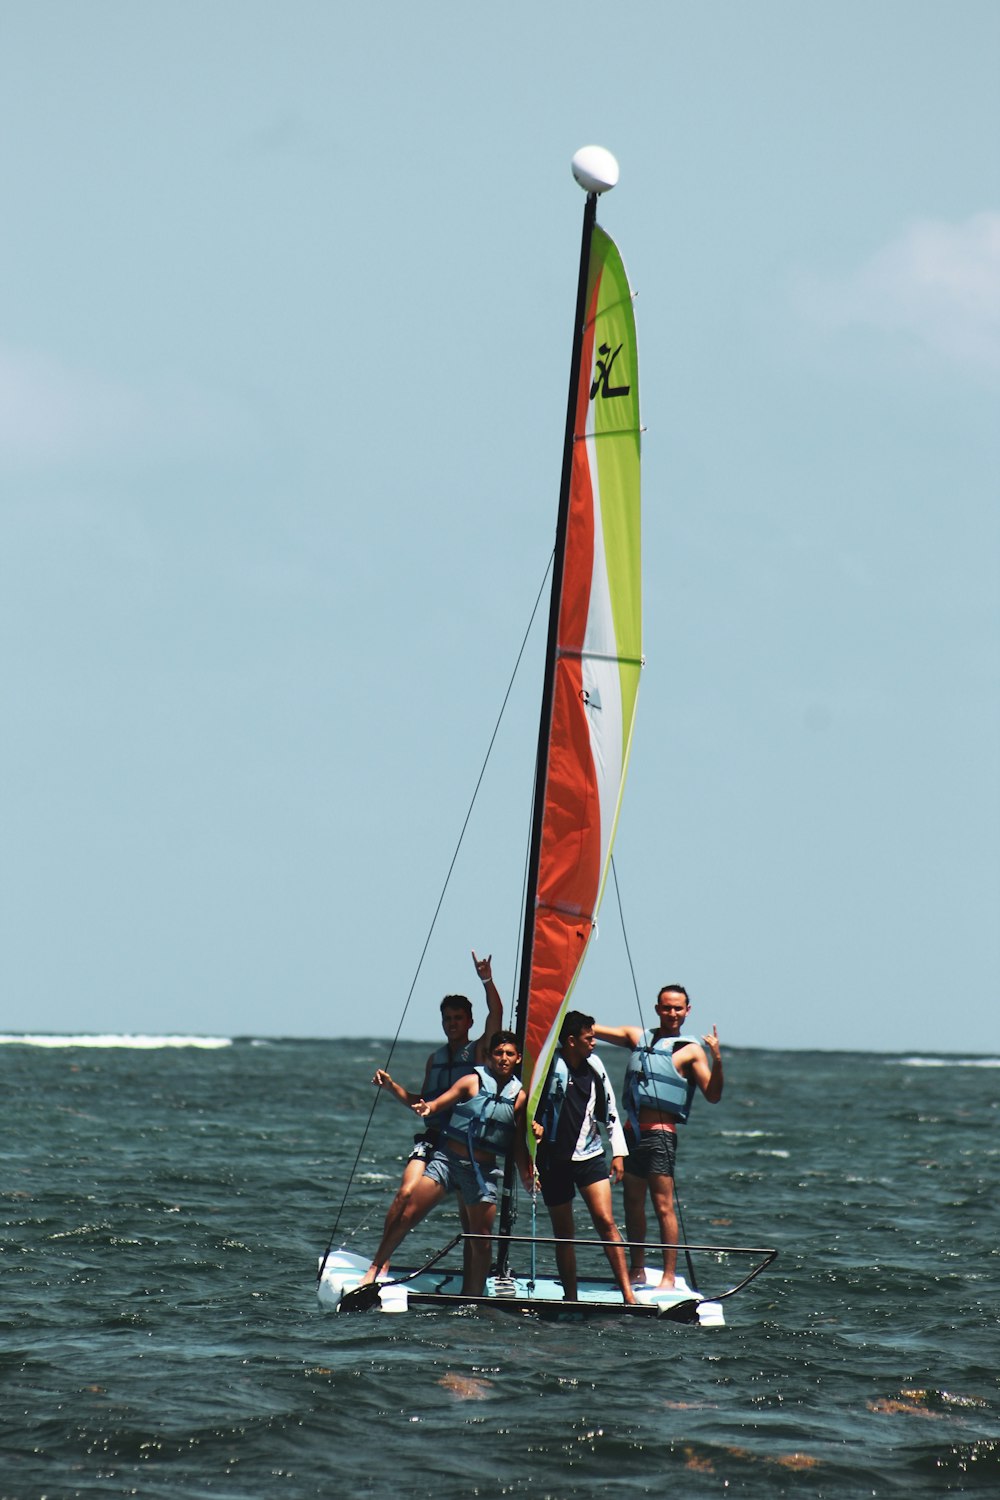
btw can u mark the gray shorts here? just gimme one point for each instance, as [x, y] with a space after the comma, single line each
[457, 1174]
[655, 1154]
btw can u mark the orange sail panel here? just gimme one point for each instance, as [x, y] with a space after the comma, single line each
[598, 656]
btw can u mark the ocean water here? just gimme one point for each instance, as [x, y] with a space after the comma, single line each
[164, 1207]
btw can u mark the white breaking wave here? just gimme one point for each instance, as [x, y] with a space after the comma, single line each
[143, 1043]
[946, 1062]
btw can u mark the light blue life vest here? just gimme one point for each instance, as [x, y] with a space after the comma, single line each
[444, 1070]
[486, 1121]
[652, 1081]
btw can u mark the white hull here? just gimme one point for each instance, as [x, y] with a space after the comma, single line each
[544, 1295]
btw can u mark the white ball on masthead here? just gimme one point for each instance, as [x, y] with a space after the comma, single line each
[595, 169]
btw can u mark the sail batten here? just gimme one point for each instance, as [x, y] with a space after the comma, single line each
[632, 661]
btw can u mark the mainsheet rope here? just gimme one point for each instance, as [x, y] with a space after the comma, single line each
[437, 910]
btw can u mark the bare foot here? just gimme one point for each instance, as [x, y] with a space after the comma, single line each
[665, 1284]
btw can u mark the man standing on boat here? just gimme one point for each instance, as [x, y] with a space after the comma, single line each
[665, 1069]
[577, 1095]
[458, 1057]
[479, 1118]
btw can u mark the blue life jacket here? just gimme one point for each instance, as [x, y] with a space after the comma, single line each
[651, 1080]
[444, 1070]
[486, 1121]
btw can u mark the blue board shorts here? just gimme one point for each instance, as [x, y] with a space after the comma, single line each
[654, 1155]
[458, 1174]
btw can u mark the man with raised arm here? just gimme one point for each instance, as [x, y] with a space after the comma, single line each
[458, 1057]
[577, 1095]
[479, 1118]
[665, 1069]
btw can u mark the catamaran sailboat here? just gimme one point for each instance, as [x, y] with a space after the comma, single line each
[591, 682]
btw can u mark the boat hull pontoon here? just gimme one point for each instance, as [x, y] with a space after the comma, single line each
[438, 1283]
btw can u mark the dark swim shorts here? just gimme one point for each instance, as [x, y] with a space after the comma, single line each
[424, 1147]
[560, 1179]
[654, 1155]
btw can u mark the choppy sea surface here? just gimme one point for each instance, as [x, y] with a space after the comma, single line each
[164, 1207]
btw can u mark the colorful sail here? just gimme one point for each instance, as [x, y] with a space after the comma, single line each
[598, 656]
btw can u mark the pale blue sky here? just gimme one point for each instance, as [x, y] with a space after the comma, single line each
[285, 306]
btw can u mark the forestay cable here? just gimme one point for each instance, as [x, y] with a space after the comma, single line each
[437, 910]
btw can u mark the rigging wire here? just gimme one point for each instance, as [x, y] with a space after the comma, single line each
[692, 1278]
[437, 909]
[628, 951]
[693, 1281]
[524, 894]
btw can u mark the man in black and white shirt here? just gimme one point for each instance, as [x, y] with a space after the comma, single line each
[577, 1097]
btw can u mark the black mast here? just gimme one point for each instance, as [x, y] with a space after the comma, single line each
[548, 685]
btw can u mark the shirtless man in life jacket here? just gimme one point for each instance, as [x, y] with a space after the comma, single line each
[666, 1068]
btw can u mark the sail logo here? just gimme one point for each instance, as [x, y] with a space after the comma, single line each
[602, 380]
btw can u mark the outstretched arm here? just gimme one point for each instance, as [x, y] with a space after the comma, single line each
[622, 1036]
[383, 1081]
[463, 1089]
[494, 1005]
